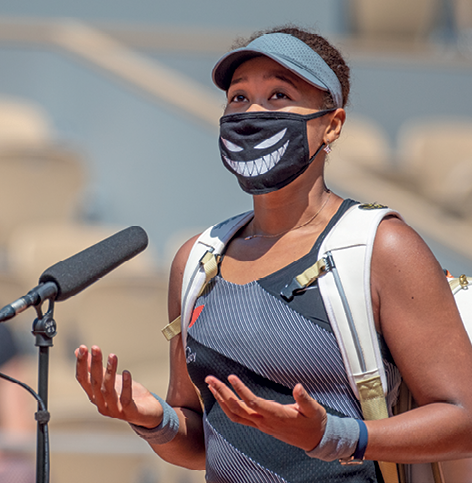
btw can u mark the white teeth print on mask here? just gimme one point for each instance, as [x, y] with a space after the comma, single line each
[231, 147]
[268, 143]
[266, 150]
[258, 166]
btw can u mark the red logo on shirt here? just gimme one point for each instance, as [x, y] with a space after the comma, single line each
[196, 313]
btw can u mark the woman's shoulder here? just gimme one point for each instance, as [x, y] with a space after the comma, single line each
[397, 243]
[176, 276]
[401, 256]
[181, 257]
[407, 281]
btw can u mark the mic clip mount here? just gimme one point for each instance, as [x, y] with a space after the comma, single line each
[44, 326]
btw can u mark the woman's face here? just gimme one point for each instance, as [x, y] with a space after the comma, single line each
[261, 84]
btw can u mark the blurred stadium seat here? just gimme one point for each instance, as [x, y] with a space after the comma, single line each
[44, 185]
[23, 124]
[435, 156]
[463, 25]
[462, 14]
[43, 181]
[393, 19]
[364, 143]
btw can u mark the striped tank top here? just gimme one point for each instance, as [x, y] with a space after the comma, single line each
[271, 344]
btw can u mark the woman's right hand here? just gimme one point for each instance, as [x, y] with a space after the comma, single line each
[116, 396]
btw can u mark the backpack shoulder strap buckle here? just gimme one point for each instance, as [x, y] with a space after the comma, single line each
[302, 281]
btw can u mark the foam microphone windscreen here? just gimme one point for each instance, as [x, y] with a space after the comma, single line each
[81, 270]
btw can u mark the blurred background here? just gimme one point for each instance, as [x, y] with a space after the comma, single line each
[109, 118]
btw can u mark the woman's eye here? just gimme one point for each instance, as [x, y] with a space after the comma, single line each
[279, 95]
[238, 98]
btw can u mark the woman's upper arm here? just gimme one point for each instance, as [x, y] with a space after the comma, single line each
[181, 391]
[417, 315]
[187, 449]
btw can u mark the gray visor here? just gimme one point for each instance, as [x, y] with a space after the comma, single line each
[289, 52]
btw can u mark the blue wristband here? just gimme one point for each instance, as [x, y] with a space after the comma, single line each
[362, 443]
[339, 440]
[164, 432]
[357, 458]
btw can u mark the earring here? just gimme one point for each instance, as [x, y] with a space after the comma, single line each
[327, 148]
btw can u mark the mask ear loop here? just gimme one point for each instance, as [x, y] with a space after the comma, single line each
[323, 146]
[315, 115]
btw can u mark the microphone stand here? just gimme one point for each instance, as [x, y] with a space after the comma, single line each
[44, 329]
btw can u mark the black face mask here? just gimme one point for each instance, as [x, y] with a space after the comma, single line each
[266, 150]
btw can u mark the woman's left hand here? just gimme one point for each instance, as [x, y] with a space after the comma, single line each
[300, 424]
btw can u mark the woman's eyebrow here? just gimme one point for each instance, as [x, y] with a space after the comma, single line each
[282, 76]
[236, 81]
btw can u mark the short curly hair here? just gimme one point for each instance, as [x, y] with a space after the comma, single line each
[322, 47]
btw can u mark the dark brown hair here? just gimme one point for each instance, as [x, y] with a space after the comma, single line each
[322, 47]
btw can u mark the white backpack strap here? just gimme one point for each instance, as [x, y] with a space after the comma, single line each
[345, 288]
[201, 267]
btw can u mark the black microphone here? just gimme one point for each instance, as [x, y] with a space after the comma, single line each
[69, 277]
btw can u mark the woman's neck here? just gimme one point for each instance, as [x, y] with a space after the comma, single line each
[289, 208]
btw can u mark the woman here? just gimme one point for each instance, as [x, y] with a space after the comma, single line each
[269, 415]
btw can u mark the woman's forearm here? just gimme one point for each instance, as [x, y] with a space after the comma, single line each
[187, 449]
[435, 432]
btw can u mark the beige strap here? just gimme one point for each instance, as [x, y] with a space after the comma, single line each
[172, 329]
[372, 399]
[312, 273]
[389, 472]
[404, 404]
[304, 279]
[209, 263]
[374, 406]
[437, 473]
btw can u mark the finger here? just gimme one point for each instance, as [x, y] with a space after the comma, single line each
[236, 409]
[109, 393]
[257, 404]
[83, 354]
[96, 376]
[231, 407]
[126, 396]
[82, 373]
[80, 351]
[242, 390]
[222, 392]
[130, 409]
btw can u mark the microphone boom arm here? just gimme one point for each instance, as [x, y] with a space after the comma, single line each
[35, 297]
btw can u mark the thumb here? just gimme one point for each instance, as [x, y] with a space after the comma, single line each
[311, 409]
[308, 406]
